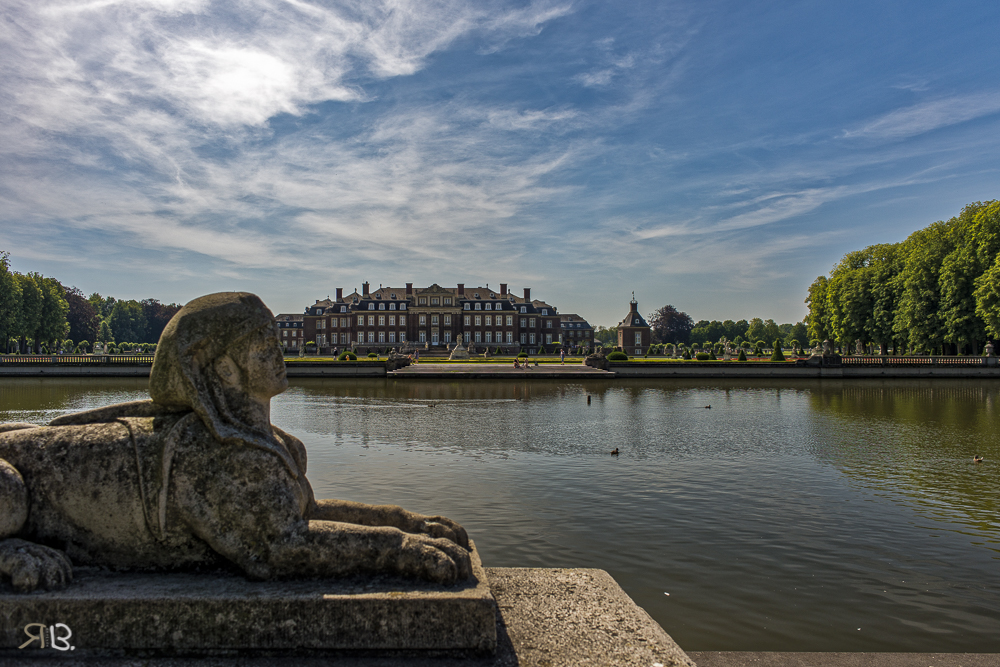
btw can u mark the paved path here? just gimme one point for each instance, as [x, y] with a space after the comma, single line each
[839, 659]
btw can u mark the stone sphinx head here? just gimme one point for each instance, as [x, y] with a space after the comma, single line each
[220, 357]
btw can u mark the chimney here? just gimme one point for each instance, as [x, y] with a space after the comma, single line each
[527, 294]
[340, 294]
[503, 289]
[409, 289]
[461, 289]
[364, 288]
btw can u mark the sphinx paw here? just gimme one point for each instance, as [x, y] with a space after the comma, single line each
[439, 560]
[32, 566]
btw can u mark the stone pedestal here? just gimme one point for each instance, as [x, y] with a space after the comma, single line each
[218, 614]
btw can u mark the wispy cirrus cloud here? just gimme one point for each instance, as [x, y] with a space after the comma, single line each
[927, 116]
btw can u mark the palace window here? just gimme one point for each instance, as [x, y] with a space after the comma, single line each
[479, 306]
[371, 336]
[423, 301]
[479, 320]
[343, 322]
[524, 309]
[479, 337]
[510, 336]
[531, 339]
[447, 336]
[381, 336]
[434, 319]
[545, 311]
[402, 336]
[371, 320]
[489, 306]
[361, 320]
[343, 339]
[447, 302]
[447, 319]
[524, 322]
[423, 319]
[392, 296]
[381, 320]
[510, 320]
[285, 333]
[467, 335]
[381, 306]
[402, 306]
[489, 336]
[402, 322]
[548, 324]
[392, 336]
[435, 301]
[343, 309]
[392, 320]
[466, 306]
[548, 339]
[489, 320]
[423, 336]
[531, 322]
[392, 306]
[638, 338]
[371, 306]
[524, 338]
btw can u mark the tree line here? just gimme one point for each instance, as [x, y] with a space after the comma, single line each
[38, 313]
[671, 326]
[937, 292]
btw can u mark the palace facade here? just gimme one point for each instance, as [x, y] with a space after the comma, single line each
[432, 317]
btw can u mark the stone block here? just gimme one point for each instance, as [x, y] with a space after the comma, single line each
[115, 613]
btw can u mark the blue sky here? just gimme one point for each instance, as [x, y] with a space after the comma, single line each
[716, 156]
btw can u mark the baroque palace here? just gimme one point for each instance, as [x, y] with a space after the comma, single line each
[433, 317]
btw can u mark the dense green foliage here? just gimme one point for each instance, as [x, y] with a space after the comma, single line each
[617, 356]
[777, 355]
[37, 311]
[347, 356]
[937, 291]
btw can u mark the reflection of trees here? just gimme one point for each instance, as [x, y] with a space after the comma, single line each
[917, 439]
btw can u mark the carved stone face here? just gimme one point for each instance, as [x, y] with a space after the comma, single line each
[265, 365]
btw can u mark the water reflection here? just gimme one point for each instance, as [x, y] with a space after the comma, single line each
[809, 516]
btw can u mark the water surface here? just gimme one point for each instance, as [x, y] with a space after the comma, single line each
[794, 516]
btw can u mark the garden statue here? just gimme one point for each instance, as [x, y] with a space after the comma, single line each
[198, 476]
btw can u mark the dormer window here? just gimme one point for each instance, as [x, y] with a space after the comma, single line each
[477, 295]
[545, 311]
[524, 309]
[493, 296]
[381, 306]
[371, 306]
[392, 306]
[435, 301]
[489, 306]
[343, 309]
[447, 301]
[423, 301]
[479, 306]
[377, 295]
[467, 307]
[402, 306]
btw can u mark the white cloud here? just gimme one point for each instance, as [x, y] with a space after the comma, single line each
[927, 116]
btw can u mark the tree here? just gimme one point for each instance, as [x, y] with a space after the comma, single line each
[670, 325]
[31, 310]
[799, 332]
[988, 298]
[919, 318]
[10, 302]
[816, 300]
[127, 321]
[157, 315]
[755, 330]
[606, 335]
[82, 316]
[52, 324]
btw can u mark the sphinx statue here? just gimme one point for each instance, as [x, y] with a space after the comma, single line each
[198, 477]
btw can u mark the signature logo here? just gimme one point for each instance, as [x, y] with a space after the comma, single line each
[59, 635]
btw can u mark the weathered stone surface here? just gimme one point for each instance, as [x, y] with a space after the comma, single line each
[198, 477]
[547, 618]
[205, 614]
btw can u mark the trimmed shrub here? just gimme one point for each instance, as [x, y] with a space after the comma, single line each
[347, 356]
[777, 355]
[743, 355]
[757, 350]
[522, 355]
[687, 354]
[617, 355]
[702, 356]
[373, 355]
[711, 356]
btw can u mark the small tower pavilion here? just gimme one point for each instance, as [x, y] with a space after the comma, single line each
[634, 335]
